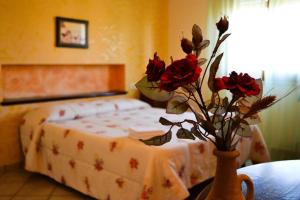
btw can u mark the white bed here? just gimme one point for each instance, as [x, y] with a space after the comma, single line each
[93, 147]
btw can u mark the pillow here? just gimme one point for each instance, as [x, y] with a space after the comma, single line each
[130, 104]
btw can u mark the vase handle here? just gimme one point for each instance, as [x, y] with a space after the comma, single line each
[249, 183]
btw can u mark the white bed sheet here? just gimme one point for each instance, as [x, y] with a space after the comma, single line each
[96, 154]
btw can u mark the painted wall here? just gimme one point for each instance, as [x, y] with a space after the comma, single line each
[120, 31]
[182, 16]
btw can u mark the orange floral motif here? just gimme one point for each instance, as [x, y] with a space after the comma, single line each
[62, 113]
[113, 145]
[38, 146]
[55, 149]
[259, 148]
[108, 197]
[116, 107]
[31, 135]
[100, 132]
[49, 167]
[201, 148]
[63, 180]
[80, 145]
[98, 164]
[120, 182]
[167, 183]
[181, 171]
[25, 150]
[42, 120]
[23, 121]
[77, 117]
[72, 164]
[194, 177]
[66, 133]
[42, 132]
[146, 193]
[87, 184]
[133, 163]
[111, 126]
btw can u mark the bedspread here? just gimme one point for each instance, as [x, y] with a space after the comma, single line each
[89, 147]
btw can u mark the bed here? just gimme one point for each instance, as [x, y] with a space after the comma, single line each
[94, 147]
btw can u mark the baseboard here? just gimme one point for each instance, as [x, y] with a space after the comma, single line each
[283, 154]
[11, 167]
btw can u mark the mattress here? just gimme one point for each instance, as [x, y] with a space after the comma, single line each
[94, 147]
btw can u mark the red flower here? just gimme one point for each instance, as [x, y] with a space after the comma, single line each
[222, 25]
[179, 73]
[239, 84]
[155, 68]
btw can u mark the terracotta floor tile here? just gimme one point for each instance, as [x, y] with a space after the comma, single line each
[7, 189]
[30, 198]
[37, 187]
[5, 197]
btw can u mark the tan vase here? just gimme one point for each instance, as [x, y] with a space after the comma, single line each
[227, 184]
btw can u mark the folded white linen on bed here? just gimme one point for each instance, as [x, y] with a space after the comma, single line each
[143, 132]
[94, 154]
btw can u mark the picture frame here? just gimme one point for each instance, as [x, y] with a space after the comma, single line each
[71, 33]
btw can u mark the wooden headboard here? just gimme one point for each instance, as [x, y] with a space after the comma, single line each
[28, 83]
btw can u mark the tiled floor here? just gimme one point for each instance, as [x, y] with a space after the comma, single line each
[17, 184]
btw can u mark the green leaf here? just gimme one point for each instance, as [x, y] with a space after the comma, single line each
[150, 90]
[224, 37]
[202, 61]
[197, 133]
[159, 140]
[244, 130]
[204, 44]
[213, 71]
[165, 122]
[197, 35]
[183, 133]
[177, 105]
[219, 42]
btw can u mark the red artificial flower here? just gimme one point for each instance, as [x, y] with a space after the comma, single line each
[222, 25]
[239, 84]
[179, 73]
[155, 68]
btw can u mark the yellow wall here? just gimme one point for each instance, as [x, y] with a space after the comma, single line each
[182, 16]
[120, 31]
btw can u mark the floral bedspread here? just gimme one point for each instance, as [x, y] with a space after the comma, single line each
[94, 148]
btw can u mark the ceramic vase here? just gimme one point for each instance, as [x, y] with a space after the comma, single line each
[227, 184]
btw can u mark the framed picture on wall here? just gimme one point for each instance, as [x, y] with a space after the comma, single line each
[71, 32]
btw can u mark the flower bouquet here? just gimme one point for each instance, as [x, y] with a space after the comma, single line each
[233, 106]
[219, 119]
